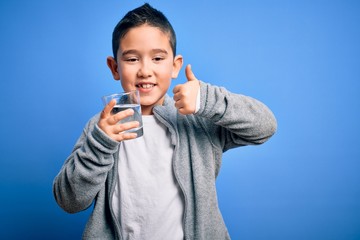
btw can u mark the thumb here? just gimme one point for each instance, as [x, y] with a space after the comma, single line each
[189, 74]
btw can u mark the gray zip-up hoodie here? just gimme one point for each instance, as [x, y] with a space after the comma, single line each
[224, 120]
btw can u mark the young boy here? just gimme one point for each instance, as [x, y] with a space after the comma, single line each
[160, 185]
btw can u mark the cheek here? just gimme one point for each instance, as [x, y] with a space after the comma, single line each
[126, 75]
[167, 71]
[123, 71]
[126, 81]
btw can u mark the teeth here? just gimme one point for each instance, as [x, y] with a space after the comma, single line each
[146, 86]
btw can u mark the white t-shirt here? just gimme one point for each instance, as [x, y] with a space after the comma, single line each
[147, 200]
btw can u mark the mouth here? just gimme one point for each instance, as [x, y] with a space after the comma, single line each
[145, 85]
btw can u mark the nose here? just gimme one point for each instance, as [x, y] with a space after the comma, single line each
[144, 70]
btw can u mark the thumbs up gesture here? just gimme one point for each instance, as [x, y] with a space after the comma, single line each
[185, 94]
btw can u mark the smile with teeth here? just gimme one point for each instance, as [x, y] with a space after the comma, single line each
[145, 85]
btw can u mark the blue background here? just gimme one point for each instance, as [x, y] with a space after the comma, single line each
[301, 58]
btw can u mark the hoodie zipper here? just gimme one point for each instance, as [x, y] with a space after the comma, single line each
[113, 185]
[173, 132]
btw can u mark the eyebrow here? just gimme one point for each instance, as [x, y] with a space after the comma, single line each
[133, 51]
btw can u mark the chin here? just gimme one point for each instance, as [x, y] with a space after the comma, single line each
[148, 101]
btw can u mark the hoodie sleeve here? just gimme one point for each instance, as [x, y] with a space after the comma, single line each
[85, 171]
[239, 119]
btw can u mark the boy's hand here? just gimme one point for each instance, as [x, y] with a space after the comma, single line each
[109, 123]
[185, 94]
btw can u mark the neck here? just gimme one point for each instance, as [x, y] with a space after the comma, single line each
[147, 110]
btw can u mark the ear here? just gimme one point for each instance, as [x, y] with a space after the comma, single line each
[177, 64]
[112, 64]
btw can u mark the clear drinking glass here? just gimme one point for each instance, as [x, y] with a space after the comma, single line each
[125, 101]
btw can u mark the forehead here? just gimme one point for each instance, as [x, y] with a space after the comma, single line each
[143, 37]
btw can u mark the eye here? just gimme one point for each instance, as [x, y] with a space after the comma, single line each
[131, 59]
[158, 58]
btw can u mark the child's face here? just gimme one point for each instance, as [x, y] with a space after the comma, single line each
[145, 62]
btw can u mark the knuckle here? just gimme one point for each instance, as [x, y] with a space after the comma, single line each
[120, 128]
[125, 113]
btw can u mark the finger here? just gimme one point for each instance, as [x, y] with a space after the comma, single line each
[125, 136]
[177, 96]
[179, 104]
[120, 115]
[107, 109]
[176, 88]
[121, 133]
[182, 111]
[120, 128]
[189, 73]
[128, 136]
